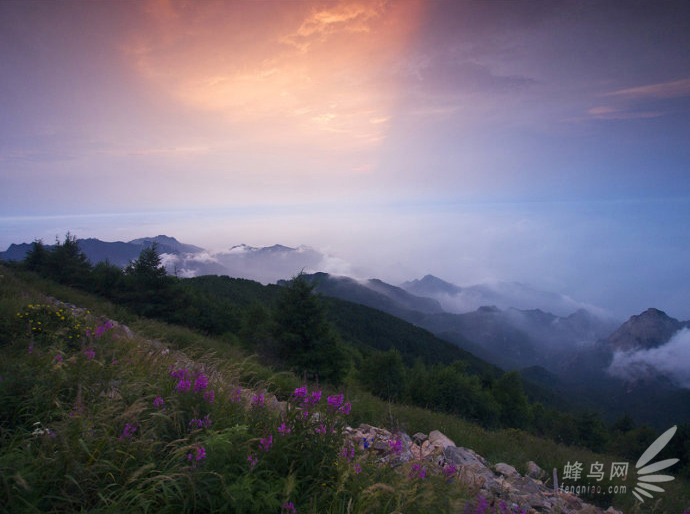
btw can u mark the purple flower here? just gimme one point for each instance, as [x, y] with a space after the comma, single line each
[180, 373]
[365, 444]
[300, 392]
[314, 399]
[58, 358]
[252, 461]
[348, 452]
[321, 429]
[287, 508]
[201, 423]
[209, 396]
[90, 354]
[335, 401]
[183, 385]
[127, 432]
[395, 445]
[158, 402]
[115, 361]
[200, 383]
[31, 349]
[284, 429]
[357, 468]
[417, 471]
[346, 408]
[258, 401]
[449, 470]
[237, 396]
[266, 443]
[199, 455]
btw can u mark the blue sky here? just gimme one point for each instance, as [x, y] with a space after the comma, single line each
[543, 142]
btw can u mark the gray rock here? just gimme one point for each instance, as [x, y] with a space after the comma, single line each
[534, 471]
[506, 470]
[419, 438]
[436, 438]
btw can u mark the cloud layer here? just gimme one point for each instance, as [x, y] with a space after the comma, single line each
[671, 360]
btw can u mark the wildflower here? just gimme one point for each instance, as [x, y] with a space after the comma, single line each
[365, 444]
[258, 401]
[237, 396]
[348, 452]
[284, 429]
[305, 415]
[183, 385]
[200, 383]
[287, 508]
[252, 461]
[479, 506]
[58, 358]
[346, 408]
[201, 423]
[300, 392]
[321, 429]
[449, 470]
[114, 362]
[395, 445]
[417, 471]
[209, 395]
[198, 456]
[31, 349]
[158, 402]
[179, 373]
[266, 443]
[314, 399]
[90, 354]
[335, 401]
[357, 468]
[127, 432]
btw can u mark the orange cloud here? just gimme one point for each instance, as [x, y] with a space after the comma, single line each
[312, 73]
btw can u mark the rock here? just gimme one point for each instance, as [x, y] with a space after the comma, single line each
[436, 438]
[534, 471]
[506, 469]
[419, 438]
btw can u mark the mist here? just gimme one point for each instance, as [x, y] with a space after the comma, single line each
[670, 359]
[587, 256]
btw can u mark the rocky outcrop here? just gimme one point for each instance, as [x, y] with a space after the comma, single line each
[650, 329]
[501, 482]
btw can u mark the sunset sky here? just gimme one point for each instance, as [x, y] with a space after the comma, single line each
[542, 142]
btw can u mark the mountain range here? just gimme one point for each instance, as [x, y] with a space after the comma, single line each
[554, 340]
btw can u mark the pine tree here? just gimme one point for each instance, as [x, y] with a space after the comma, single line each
[305, 340]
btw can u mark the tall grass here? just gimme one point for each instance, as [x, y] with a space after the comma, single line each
[118, 424]
[112, 423]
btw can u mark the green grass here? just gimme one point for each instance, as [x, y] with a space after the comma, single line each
[102, 425]
[93, 462]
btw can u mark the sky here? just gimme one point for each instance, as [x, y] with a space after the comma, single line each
[521, 140]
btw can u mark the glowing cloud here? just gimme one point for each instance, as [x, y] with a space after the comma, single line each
[309, 73]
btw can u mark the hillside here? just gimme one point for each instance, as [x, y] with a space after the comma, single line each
[144, 407]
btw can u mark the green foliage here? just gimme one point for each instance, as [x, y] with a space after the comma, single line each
[128, 426]
[512, 400]
[384, 374]
[305, 340]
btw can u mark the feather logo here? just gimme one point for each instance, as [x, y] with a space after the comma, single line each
[645, 478]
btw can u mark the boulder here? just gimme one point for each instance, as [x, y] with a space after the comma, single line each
[436, 438]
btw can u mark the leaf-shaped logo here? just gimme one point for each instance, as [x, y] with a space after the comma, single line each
[645, 470]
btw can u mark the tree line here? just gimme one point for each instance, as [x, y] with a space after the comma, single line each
[289, 327]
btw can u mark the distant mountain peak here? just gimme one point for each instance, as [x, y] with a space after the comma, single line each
[431, 285]
[650, 329]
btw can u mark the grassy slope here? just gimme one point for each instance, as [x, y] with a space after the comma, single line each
[150, 375]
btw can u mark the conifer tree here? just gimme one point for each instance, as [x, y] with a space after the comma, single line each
[304, 337]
